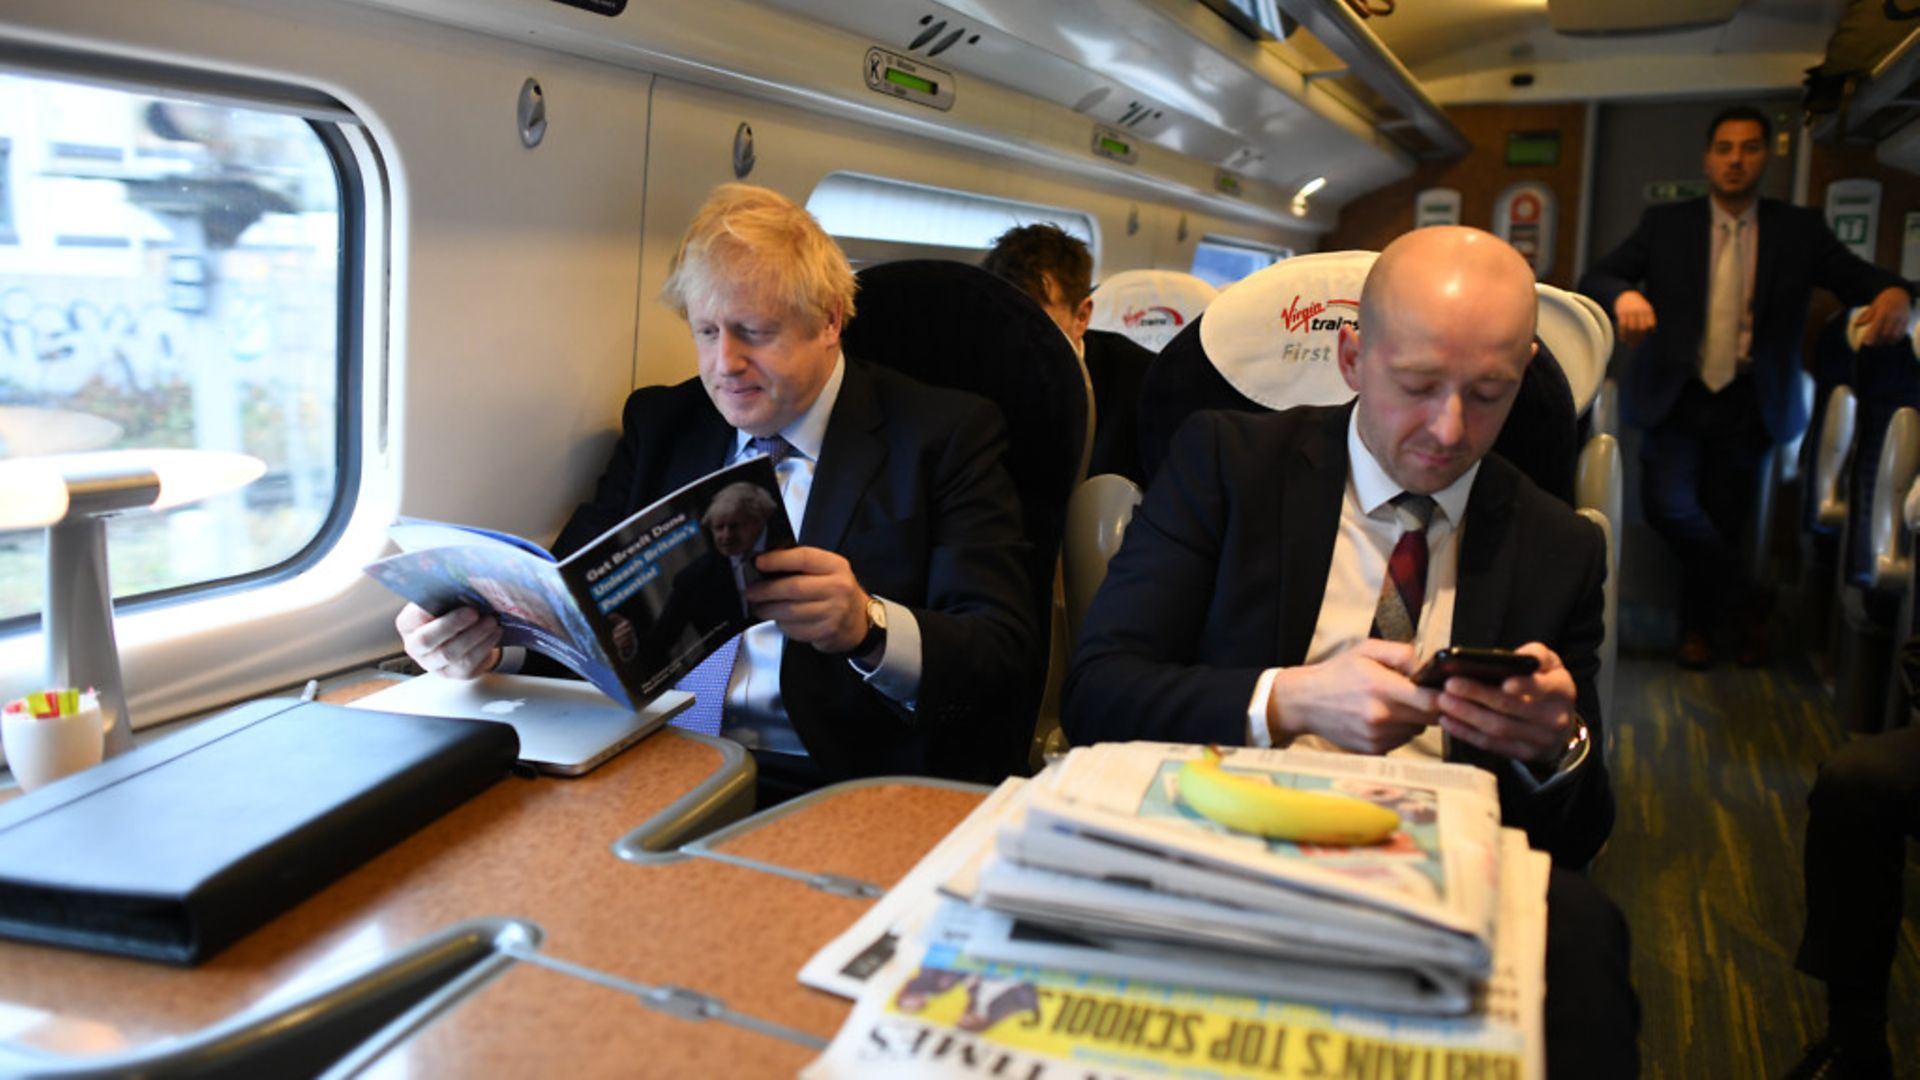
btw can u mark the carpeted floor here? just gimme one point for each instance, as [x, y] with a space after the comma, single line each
[1711, 771]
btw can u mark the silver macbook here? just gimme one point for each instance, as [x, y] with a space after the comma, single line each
[566, 726]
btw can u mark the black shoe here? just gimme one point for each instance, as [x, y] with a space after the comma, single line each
[1826, 1060]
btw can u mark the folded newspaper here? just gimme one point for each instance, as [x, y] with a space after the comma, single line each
[1100, 865]
[930, 1005]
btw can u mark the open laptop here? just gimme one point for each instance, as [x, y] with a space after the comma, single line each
[566, 726]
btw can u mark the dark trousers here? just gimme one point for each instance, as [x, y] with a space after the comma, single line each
[1700, 470]
[1593, 1015]
[1864, 806]
[779, 777]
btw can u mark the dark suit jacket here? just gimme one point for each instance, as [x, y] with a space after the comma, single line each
[1224, 567]
[1116, 366]
[1666, 259]
[910, 489]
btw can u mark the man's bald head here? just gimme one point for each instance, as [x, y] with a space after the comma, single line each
[1446, 330]
[1430, 273]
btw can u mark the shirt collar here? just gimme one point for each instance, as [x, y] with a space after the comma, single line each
[808, 432]
[1747, 218]
[1374, 488]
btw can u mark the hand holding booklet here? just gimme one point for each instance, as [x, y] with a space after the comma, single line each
[631, 612]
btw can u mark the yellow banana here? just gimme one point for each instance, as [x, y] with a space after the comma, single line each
[1280, 813]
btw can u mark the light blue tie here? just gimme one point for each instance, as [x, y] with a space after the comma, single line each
[708, 684]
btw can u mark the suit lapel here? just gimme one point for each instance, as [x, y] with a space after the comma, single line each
[1485, 567]
[849, 457]
[708, 443]
[1311, 484]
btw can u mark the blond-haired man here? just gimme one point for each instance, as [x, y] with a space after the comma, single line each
[898, 634]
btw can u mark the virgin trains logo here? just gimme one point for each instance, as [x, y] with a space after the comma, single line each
[1312, 316]
[1320, 315]
[1155, 316]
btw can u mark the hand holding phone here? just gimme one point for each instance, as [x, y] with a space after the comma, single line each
[1486, 665]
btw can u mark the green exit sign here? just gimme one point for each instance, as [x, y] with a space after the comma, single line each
[1666, 191]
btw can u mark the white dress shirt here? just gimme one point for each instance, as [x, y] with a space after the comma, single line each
[1369, 529]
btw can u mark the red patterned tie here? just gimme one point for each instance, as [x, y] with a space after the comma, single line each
[1397, 616]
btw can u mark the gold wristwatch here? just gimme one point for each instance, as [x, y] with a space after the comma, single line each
[876, 631]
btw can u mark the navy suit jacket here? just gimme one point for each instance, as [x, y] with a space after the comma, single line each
[1224, 568]
[910, 489]
[1666, 260]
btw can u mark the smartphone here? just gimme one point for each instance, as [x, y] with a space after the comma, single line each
[1485, 665]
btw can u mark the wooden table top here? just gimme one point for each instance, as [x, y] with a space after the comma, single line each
[737, 934]
[537, 850]
[533, 848]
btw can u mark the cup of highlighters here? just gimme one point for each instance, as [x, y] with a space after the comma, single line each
[50, 734]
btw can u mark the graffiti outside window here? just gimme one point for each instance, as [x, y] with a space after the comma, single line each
[172, 279]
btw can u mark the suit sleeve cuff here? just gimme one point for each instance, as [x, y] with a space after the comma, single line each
[1257, 733]
[1537, 779]
[898, 673]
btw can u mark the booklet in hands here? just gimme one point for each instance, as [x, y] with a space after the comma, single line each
[632, 611]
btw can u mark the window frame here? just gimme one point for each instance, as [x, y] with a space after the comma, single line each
[9, 232]
[356, 165]
[863, 249]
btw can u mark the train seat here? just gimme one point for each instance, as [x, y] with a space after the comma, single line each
[1874, 546]
[1579, 341]
[1604, 414]
[955, 325]
[1149, 306]
[1269, 342]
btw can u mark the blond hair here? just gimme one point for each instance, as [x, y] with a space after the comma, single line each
[748, 237]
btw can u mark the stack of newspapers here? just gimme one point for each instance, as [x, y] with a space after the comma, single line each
[1089, 918]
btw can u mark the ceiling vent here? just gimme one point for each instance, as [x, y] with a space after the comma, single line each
[936, 35]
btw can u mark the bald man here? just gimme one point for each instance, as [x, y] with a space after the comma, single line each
[1250, 601]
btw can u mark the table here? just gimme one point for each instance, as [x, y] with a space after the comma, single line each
[536, 850]
[530, 931]
[735, 935]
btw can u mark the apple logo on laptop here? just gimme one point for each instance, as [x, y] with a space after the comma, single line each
[502, 706]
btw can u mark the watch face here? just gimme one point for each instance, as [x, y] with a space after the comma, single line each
[876, 614]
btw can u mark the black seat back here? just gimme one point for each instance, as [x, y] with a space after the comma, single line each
[958, 326]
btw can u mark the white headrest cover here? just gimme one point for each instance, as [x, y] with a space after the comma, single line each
[1600, 319]
[1150, 306]
[1274, 334]
[1576, 340]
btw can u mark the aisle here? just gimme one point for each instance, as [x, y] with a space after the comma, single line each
[1711, 770]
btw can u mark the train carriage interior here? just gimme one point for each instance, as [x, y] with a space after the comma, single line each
[405, 258]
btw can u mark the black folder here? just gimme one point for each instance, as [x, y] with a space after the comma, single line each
[177, 849]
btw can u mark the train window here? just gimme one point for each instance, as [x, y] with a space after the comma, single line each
[876, 219]
[1222, 261]
[174, 272]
